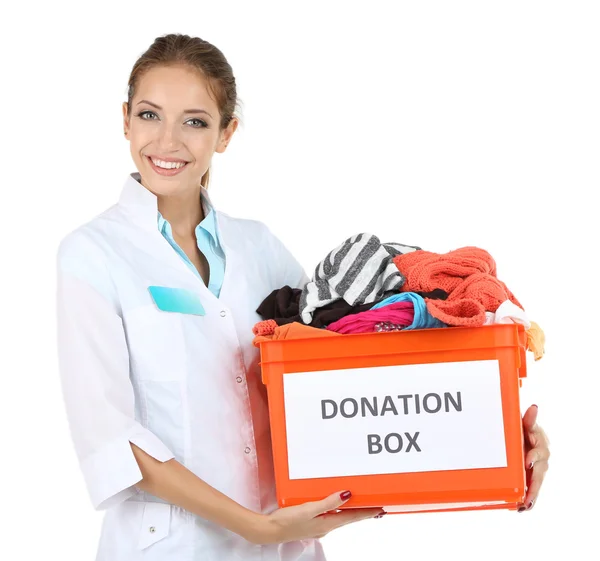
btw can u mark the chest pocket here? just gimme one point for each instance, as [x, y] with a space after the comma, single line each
[156, 343]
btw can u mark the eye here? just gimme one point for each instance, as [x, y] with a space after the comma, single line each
[142, 114]
[201, 125]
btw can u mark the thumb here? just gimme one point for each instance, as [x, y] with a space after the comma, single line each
[332, 502]
[530, 418]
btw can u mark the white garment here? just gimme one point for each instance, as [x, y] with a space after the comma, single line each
[507, 312]
[177, 385]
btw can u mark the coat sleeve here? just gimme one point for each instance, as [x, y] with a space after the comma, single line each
[94, 375]
[289, 270]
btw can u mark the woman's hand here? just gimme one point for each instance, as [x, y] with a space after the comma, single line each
[537, 453]
[308, 520]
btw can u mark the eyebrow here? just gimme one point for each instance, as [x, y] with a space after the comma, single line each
[186, 112]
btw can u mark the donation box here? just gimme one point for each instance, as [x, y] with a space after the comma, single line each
[424, 420]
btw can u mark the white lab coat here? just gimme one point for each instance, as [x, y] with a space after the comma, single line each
[177, 385]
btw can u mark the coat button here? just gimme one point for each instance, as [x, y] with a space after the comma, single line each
[239, 379]
[223, 312]
[247, 450]
[152, 529]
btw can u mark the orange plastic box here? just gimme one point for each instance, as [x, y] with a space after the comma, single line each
[411, 421]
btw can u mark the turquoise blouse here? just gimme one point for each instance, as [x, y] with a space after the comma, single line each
[208, 244]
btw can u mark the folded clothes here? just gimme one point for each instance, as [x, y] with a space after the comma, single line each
[269, 330]
[359, 271]
[422, 318]
[467, 274]
[399, 313]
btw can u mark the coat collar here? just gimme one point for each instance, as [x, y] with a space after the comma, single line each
[141, 204]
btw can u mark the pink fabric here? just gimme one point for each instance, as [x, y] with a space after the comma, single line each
[402, 313]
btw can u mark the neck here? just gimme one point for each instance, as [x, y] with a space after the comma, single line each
[183, 211]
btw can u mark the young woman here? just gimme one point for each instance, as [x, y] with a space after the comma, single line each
[156, 304]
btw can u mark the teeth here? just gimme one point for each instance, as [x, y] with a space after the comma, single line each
[167, 165]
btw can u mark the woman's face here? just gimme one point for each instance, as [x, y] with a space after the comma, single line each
[161, 126]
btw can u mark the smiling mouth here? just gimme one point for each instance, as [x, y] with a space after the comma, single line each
[166, 172]
[184, 163]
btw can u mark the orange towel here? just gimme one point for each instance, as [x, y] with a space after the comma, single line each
[467, 274]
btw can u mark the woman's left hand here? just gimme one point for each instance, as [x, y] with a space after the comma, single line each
[537, 453]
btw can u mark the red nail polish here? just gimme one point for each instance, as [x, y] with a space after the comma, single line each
[345, 495]
[530, 505]
[531, 465]
[521, 508]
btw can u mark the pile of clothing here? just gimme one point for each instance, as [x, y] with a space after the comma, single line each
[365, 286]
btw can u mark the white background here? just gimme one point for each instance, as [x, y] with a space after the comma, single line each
[438, 124]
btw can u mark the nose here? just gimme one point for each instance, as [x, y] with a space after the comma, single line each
[168, 140]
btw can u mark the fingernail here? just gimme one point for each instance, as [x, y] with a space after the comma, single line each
[345, 495]
[531, 465]
[522, 508]
[530, 506]
[380, 515]
[534, 405]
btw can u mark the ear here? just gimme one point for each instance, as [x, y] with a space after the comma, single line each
[125, 120]
[226, 135]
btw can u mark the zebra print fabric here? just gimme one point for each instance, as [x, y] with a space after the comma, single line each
[360, 271]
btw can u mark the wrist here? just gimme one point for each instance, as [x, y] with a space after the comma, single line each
[258, 528]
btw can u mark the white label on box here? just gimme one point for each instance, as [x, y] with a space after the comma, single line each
[394, 419]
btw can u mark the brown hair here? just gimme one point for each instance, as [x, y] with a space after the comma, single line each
[178, 49]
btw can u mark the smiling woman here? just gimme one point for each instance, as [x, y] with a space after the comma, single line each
[162, 122]
[157, 298]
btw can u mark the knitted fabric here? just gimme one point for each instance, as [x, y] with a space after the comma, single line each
[294, 330]
[266, 327]
[467, 274]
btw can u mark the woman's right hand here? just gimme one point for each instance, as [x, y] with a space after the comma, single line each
[312, 519]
